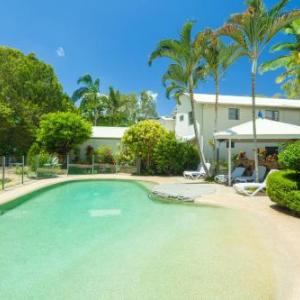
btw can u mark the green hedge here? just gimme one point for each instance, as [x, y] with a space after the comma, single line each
[283, 188]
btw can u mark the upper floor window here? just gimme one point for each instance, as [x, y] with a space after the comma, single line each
[191, 119]
[272, 115]
[181, 118]
[233, 114]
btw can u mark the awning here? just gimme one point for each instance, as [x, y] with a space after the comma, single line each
[265, 130]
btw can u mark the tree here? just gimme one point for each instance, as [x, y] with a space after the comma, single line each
[290, 61]
[184, 73]
[115, 106]
[218, 58]
[147, 106]
[63, 131]
[173, 157]
[140, 140]
[89, 94]
[253, 30]
[29, 88]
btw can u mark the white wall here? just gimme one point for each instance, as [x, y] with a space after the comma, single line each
[205, 118]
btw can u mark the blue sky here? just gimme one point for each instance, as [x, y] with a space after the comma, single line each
[113, 39]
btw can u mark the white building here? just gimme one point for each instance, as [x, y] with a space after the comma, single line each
[168, 123]
[232, 111]
[104, 136]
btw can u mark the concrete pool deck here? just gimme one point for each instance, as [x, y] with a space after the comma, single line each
[279, 231]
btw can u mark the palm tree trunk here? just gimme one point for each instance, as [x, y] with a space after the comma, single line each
[197, 135]
[217, 86]
[253, 82]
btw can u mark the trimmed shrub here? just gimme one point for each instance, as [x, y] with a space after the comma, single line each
[283, 188]
[172, 157]
[290, 157]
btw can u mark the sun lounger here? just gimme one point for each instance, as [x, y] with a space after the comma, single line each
[196, 174]
[251, 188]
[261, 176]
[237, 172]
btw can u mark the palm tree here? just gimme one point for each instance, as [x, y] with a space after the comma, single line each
[253, 30]
[115, 105]
[290, 61]
[89, 94]
[218, 57]
[184, 73]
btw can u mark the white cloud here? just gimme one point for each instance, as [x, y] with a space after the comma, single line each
[153, 95]
[60, 51]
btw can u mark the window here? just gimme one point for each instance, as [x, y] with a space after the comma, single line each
[181, 118]
[272, 115]
[191, 119]
[271, 150]
[233, 114]
[232, 145]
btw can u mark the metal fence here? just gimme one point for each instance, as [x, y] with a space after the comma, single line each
[18, 170]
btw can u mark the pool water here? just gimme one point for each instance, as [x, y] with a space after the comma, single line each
[108, 240]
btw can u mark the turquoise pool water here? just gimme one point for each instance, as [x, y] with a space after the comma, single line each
[108, 240]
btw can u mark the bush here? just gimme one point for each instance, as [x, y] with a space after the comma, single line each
[105, 155]
[290, 157]
[62, 131]
[283, 188]
[140, 140]
[172, 157]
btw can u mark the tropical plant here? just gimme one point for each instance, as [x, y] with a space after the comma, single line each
[105, 154]
[62, 132]
[172, 157]
[89, 94]
[290, 61]
[290, 156]
[140, 140]
[114, 106]
[253, 30]
[218, 58]
[184, 73]
[29, 88]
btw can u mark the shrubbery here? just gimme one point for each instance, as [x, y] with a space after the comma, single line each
[283, 188]
[105, 155]
[290, 157]
[159, 151]
[172, 157]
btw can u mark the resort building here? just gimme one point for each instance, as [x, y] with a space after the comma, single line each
[232, 111]
[104, 136]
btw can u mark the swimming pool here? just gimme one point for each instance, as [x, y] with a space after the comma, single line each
[108, 240]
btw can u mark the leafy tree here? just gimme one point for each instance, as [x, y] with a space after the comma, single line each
[290, 157]
[185, 71]
[28, 89]
[140, 140]
[147, 106]
[253, 30]
[172, 157]
[290, 61]
[61, 132]
[218, 58]
[89, 94]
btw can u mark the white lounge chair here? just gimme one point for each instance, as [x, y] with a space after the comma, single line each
[196, 174]
[237, 172]
[261, 176]
[252, 188]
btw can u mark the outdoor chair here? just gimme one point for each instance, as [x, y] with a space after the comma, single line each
[261, 176]
[223, 178]
[252, 188]
[196, 174]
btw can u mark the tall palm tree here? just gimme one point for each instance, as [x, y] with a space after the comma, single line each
[218, 57]
[290, 61]
[89, 94]
[115, 105]
[184, 73]
[253, 30]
